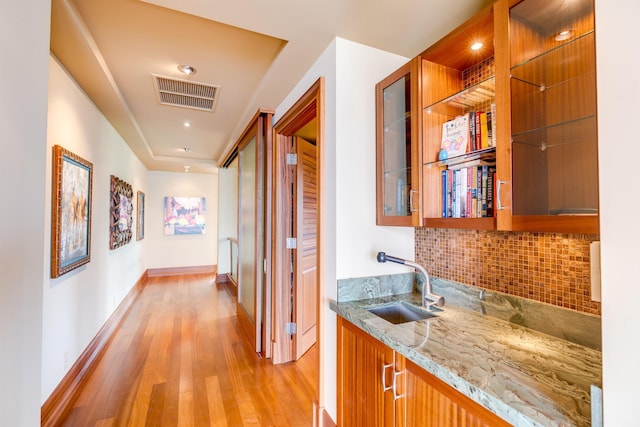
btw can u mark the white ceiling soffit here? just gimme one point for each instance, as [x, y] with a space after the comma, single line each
[186, 93]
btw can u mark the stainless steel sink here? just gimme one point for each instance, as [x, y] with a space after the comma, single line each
[401, 312]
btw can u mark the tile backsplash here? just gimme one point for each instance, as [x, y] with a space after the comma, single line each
[546, 267]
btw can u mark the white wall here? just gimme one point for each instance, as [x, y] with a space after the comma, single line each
[23, 132]
[227, 213]
[619, 151]
[351, 237]
[184, 250]
[76, 304]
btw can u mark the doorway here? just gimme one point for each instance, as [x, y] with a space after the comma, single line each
[298, 233]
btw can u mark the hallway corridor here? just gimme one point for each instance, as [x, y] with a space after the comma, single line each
[180, 359]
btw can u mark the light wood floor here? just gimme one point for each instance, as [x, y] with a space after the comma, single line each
[181, 359]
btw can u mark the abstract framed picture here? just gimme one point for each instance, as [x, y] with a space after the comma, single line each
[121, 213]
[70, 211]
[140, 217]
[184, 215]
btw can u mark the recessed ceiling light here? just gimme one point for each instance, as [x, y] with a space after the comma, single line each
[187, 69]
[476, 46]
[187, 124]
[564, 35]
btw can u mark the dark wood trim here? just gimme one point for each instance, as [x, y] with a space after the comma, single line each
[222, 278]
[233, 151]
[327, 421]
[179, 271]
[60, 402]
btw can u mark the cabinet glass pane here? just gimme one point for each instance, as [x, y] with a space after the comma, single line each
[247, 230]
[397, 147]
[553, 108]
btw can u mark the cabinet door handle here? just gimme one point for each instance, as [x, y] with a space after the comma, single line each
[384, 378]
[499, 195]
[411, 208]
[395, 385]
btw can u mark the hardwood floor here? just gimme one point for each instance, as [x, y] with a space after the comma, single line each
[180, 359]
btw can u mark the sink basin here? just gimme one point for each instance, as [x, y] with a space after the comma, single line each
[401, 312]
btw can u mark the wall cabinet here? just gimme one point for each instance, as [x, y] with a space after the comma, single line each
[398, 150]
[379, 387]
[527, 68]
[554, 143]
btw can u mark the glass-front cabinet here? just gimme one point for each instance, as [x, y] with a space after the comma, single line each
[494, 126]
[398, 200]
[554, 143]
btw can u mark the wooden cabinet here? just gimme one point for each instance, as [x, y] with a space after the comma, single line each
[532, 72]
[398, 151]
[553, 173]
[459, 81]
[379, 387]
[432, 403]
[365, 379]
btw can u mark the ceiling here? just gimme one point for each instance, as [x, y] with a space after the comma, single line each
[250, 52]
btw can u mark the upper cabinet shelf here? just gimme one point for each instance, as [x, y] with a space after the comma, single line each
[470, 98]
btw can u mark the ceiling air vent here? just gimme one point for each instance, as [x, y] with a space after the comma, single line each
[185, 93]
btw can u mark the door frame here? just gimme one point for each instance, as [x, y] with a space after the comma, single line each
[308, 107]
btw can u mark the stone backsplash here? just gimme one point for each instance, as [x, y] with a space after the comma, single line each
[545, 267]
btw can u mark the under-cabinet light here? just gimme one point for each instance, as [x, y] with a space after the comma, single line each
[564, 35]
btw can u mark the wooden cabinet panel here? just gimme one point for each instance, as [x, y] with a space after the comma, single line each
[362, 400]
[432, 403]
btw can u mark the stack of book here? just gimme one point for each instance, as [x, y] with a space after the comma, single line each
[468, 190]
[469, 132]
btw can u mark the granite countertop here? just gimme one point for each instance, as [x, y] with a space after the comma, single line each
[526, 377]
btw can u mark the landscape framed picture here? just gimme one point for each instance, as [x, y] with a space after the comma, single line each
[140, 217]
[121, 213]
[184, 215]
[70, 211]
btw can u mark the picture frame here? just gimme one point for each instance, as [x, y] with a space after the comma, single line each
[72, 185]
[121, 213]
[184, 215]
[140, 217]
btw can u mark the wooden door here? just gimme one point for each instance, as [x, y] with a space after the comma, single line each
[306, 231]
[362, 399]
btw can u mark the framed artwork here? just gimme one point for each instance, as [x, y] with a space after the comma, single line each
[184, 215]
[70, 211]
[121, 213]
[140, 217]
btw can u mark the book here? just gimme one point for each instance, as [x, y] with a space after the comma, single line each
[474, 191]
[455, 137]
[449, 193]
[485, 177]
[462, 193]
[492, 142]
[484, 135]
[444, 193]
[490, 191]
[490, 129]
[478, 144]
[469, 193]
[472, 131]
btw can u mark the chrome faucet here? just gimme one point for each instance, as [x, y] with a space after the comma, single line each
[429, 299]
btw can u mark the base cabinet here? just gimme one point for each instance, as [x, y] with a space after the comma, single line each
[364, 396]
[431, 402]
[379, 387]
